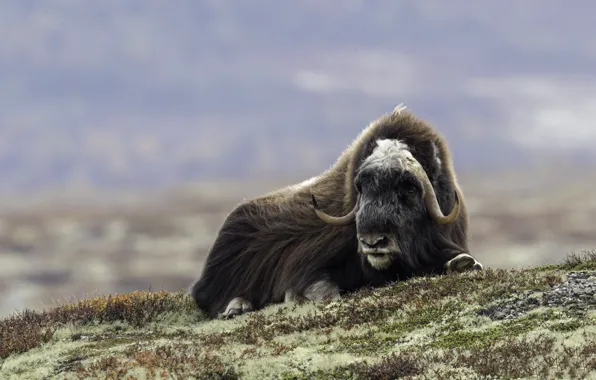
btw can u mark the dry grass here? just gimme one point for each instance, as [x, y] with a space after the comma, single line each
[29, 329]
[425, 328]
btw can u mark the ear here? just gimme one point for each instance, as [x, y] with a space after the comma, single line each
[436, 155]
[432, 158]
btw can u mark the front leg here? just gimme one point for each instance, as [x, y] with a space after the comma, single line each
[463, 263]
[318, 291]
[235, 307]
[322, 290]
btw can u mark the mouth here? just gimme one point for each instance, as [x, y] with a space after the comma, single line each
[376, 252]
[379, 259]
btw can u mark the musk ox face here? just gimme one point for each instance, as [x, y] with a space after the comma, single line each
[391, 203]
[395, 195]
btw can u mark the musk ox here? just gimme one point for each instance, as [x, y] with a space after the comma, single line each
[389, 208]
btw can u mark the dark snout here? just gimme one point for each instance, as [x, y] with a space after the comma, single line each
[374, 241]
[378, 248]
[376, 225]
[377, 244]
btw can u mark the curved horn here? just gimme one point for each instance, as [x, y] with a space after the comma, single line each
[336, 220]
[432, 204]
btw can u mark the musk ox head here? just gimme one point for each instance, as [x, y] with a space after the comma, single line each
[395, 199]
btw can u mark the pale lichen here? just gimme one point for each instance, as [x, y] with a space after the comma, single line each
[425, 328]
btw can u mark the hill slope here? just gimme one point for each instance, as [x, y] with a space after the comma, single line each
[537, 322]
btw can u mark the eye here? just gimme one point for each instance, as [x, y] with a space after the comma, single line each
[408, 189]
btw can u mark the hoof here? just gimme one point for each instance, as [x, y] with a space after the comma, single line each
[463, 263]
[290, 296]
[237, 306]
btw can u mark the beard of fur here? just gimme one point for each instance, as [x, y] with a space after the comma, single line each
[414, 246]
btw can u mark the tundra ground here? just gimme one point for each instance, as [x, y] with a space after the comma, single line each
[506, 323]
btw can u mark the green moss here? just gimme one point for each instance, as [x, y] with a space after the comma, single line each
[393, 366]
[545, 268]
[370, 342]
[567, 326]
[109, 343]
[509, 328]
[428, 327]
[380, 338]
[586, 266]
[441, 315]
[70, 363]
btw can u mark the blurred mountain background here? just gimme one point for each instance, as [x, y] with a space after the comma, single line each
[110, 97]
[144, 93]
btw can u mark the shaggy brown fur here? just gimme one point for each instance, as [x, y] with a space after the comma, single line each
[275, 243]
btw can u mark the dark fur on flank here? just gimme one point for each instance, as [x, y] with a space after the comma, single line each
[275, 242]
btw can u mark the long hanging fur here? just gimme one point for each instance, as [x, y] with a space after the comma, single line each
[275, 242]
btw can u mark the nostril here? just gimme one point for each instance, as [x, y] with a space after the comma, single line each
[380, 242]
[374, 241]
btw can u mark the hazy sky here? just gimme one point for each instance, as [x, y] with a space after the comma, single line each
[149, 75]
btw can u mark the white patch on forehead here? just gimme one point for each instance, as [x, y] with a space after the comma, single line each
[389, 153]
[390, 145]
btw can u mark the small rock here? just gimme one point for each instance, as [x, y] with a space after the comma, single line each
[578, 291]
